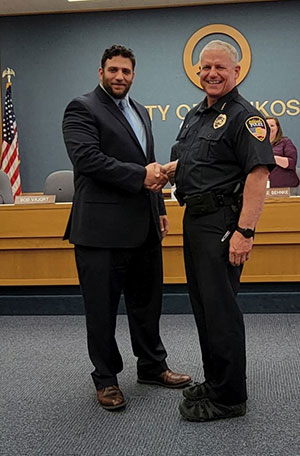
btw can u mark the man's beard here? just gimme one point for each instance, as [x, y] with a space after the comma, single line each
[117, 95]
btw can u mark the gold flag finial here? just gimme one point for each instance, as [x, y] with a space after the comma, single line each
[8, 73]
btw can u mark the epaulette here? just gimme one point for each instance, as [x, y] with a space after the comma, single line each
[246, 105]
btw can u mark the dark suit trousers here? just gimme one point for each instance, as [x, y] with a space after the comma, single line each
[103, 275]
[213, 285]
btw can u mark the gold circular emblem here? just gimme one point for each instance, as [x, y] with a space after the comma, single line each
[192, 70]
[220, 121]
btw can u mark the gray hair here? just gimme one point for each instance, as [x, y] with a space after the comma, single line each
[221, 46]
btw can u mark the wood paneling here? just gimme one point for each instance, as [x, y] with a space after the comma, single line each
[276, 252]
[32, 251]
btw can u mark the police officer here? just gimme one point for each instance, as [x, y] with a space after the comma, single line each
[224, 161]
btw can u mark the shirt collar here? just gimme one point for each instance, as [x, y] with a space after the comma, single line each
[220, 103]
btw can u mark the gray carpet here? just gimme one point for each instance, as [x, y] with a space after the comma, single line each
[48, 404]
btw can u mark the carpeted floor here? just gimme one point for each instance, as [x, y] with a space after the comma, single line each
[48, 404]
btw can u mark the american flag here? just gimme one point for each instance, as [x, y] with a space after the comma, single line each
[10, 154]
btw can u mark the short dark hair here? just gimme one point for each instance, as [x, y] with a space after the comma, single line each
[117, 49]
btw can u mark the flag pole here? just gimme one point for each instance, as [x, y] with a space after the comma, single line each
[10, 160]
[7, 73]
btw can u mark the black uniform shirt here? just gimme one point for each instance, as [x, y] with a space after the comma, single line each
[218, 146]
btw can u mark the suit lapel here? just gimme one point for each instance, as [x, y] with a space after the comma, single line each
[114, 109]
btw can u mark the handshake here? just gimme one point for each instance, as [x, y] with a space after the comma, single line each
[158, 175]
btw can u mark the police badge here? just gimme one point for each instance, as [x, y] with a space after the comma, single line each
[220, 121]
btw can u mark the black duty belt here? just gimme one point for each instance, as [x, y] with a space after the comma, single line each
[209, 202]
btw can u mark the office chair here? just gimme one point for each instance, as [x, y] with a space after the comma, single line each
[6, 195]
[295, 191]
[61, 184]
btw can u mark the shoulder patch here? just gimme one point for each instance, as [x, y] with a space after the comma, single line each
[257, 127]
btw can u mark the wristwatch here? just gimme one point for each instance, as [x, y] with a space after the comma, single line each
[246, 232]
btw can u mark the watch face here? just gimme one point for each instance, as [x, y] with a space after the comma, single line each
[246, 232]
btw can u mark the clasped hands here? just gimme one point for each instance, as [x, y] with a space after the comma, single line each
[158, 175]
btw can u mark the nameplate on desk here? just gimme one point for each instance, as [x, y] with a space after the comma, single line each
[279, 192]
[35, 199]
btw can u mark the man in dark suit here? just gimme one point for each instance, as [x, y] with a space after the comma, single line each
[117, 222]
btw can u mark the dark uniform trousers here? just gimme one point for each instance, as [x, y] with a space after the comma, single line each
[213, 285]
[103, 274]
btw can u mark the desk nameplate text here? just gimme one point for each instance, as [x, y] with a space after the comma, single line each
[35, 199]
[278, 192]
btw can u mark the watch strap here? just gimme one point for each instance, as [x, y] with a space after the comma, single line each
[246, 232]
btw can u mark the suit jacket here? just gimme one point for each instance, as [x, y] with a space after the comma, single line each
[111, 207]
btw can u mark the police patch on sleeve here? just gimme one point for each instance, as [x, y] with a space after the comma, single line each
[220, 121]
[257, 127]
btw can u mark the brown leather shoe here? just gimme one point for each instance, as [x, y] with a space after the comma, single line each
[111, 398]
[168, 379]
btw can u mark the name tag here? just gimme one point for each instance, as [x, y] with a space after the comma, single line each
[280, 192]
[35, 199]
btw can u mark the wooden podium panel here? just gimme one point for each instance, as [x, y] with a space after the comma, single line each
[276, 253]
[32, 251]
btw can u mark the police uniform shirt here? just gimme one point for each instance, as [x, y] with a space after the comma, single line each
[220, 145]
